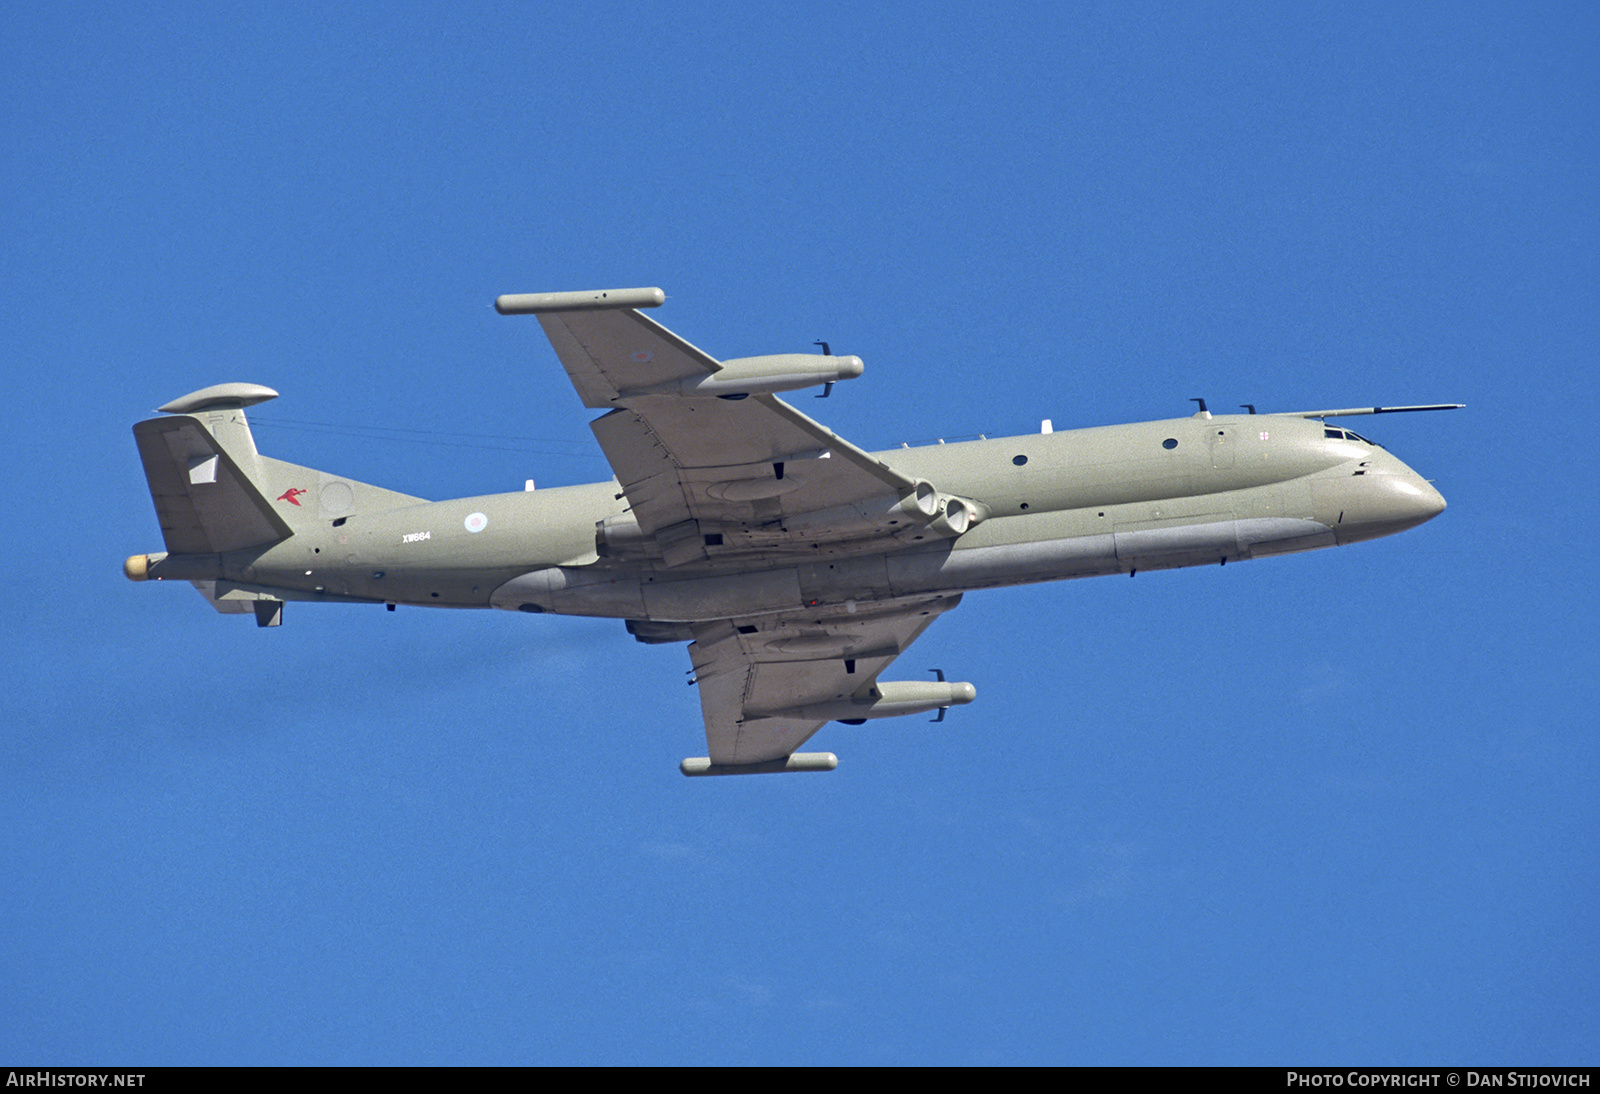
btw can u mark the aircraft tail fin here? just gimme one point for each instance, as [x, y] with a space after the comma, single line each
[204, 489]
[214, 493]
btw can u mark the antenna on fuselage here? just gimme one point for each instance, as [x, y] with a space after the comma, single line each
[1202, 412]
[1251, 407]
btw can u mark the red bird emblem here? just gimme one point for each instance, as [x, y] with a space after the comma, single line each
[291, 495]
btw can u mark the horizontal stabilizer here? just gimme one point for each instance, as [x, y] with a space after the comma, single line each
[231, 599]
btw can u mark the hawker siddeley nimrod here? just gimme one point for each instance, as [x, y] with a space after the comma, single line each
[796, 565]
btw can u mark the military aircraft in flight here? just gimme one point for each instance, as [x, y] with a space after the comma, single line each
[796, 565]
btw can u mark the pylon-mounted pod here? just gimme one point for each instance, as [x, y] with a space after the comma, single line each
[746, 376]
[887, 699]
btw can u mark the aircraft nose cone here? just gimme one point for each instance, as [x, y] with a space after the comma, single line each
[1413, 499]
[1385, 502]
[1435, 502]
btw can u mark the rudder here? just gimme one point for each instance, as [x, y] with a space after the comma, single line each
[206, 503]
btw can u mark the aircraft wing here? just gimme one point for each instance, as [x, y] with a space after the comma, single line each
[746, 465]
[712, 463]
[768, 684]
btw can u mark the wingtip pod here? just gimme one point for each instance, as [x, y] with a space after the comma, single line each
[535, 303]
[137, 568]
[889, 699]
[219, 397]
[799, 761]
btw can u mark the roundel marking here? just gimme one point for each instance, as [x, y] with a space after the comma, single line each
[477, 522]
[642, 356]
[337, 497]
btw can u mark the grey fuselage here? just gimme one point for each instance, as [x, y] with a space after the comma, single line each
[1077, 503]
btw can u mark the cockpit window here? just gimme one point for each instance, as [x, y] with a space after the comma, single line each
[1346, 435]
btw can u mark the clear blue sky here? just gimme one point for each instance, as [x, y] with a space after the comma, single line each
[1339, 807]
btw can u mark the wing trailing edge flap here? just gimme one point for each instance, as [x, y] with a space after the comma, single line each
[751, 474]
[758, 677]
